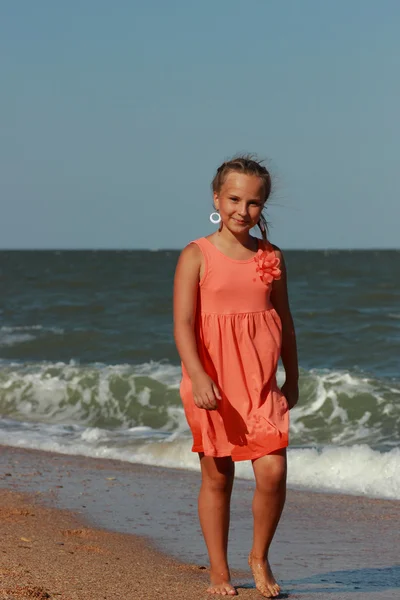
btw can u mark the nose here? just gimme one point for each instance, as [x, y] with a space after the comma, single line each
[242, 210]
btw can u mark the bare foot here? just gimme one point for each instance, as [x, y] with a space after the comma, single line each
[221, 585]
[263, 577]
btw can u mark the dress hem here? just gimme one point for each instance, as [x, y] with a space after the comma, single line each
[228, 454]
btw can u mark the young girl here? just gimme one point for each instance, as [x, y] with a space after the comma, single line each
[232, 322]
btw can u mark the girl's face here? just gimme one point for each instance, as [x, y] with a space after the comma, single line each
[240, 202]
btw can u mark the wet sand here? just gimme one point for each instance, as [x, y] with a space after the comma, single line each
[79, 528]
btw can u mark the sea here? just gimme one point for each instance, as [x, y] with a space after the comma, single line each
[88, 364]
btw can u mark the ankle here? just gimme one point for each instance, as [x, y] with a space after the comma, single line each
[221, 572]
[260, 556]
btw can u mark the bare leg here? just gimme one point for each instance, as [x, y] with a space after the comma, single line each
[214, 511]
[268, 502]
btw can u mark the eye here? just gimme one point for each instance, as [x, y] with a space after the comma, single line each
[233, 198]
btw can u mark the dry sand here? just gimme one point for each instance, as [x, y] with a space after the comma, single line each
[327, 546]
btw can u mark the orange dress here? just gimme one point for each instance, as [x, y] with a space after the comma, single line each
[238, 335]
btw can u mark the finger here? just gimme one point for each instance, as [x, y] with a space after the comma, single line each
[199, 401]
[216, 392]
[206, 401]
[212, 399]
[213, 403]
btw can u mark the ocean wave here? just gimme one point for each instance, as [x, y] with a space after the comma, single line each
[336, 407]
[97, 395]
[12, 336]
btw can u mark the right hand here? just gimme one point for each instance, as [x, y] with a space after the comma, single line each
[205, 392]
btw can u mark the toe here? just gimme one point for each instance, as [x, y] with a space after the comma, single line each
[264, 591]
[222, 590]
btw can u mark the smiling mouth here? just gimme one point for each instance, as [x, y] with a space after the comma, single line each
[241, 222]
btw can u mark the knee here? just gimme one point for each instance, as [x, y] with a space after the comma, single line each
[218, 481]
[272, 479]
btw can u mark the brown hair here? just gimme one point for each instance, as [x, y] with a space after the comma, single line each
[248, 165]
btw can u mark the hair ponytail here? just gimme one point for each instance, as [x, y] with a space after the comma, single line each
[263, 226]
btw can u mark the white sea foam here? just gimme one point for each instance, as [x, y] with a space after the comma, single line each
[9, 336]
[357, 470]
[10, 339]
[163, 372]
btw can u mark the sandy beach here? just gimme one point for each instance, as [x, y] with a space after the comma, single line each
[79, 528]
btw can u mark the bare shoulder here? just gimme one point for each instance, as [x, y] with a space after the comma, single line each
[278, 251]
[191, 254]
[190, 261]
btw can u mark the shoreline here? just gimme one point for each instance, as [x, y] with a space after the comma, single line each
[325, 543]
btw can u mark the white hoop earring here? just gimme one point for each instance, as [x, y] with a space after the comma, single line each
[215, 218]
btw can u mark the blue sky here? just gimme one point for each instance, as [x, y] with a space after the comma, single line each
[115, 115]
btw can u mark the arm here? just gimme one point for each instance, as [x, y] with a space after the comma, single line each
[186, 285]
[280, 301]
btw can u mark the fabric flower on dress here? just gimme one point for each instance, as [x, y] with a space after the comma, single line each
[267, 266]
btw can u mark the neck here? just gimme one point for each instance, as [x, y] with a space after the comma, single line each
[244, 239]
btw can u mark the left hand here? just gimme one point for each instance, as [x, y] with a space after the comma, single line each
[291, 393]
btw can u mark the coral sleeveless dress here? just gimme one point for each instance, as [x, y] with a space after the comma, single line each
[238, 335]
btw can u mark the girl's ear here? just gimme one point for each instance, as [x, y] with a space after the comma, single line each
[216, 200]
